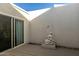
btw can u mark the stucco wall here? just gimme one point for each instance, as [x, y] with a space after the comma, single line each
[62, 21]
[7, 9]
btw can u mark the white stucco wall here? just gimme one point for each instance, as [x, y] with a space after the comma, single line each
[7, 9]
[62, 21]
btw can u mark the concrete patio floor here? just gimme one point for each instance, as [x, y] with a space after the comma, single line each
[37, 50]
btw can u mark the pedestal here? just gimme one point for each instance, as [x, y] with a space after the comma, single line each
[49, 46]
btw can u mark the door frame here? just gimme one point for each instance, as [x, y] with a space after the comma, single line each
[13, 31]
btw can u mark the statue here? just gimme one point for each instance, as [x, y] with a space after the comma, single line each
[50, 41]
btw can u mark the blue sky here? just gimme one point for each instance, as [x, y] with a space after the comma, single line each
[35, 6]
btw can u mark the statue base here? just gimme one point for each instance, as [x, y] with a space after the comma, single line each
[49, 46]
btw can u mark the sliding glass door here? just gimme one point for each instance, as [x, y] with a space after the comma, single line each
[11, 32]
[19, 32]
[5, 32]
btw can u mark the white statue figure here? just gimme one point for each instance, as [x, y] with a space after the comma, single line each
[50, 41]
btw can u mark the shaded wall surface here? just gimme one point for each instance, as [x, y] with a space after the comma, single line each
[62, 21]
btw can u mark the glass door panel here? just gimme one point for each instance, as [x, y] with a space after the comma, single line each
[5, 32]
[19, 37]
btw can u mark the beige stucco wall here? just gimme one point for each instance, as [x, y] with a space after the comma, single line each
[62, 21]
[7, 9]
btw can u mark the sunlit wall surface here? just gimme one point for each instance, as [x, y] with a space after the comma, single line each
[35, 9]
